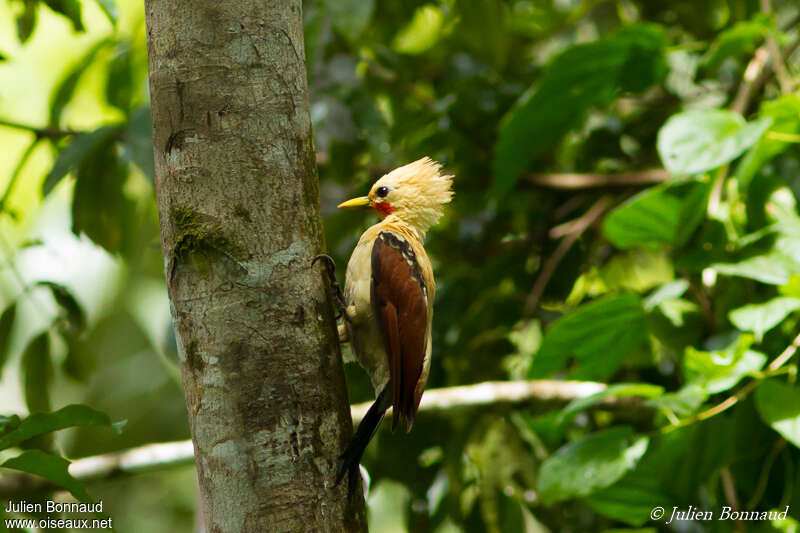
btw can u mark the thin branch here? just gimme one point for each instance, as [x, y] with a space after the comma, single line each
[135, 460]
[755, 74]
[785, 355]
[778, 66]
[497, 392]
[172, 454]
[729, 488]
[754, 77]
[572, 203]
[49, 133]
[587, 181]
[142, 459]
[763, 477]
[783, 137]
[17, 171]
[774, 368]
[24, 286]
[577, 228]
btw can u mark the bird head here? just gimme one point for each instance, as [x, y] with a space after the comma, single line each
[414, 193]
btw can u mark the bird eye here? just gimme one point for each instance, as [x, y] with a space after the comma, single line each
[382, 191]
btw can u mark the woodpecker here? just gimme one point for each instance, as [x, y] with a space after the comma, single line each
[387, 306]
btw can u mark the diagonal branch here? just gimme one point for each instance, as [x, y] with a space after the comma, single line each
[778, 66]
[577, 227]
[775, 368]
[755, 74]
[166, 455]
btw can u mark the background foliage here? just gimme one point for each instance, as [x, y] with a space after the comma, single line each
[680, 288]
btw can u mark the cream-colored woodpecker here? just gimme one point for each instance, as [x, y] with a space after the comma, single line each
[388, 296]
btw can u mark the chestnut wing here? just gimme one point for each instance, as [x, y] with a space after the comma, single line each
[400, 301]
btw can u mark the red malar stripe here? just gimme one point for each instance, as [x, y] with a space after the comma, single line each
[384, 207]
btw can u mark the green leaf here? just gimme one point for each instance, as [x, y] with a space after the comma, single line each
[760, 318]
[80, 362]
[583, 76]
[49, 467]
[719, 370]
[668, 291]
[739, 40]
[8, 423]
[74, 153]
[526, 337]
[137, 140]
[785, 115]
[750, 364]
[70, 9]
[710, 447]
[778, 404]
[791, 288]
[631, 499]
[41, 423]
[37, 372]
[683, 402]
[590, 463]
[484, 31]
[66, 88]
[511, 514]
[678, 310]
[26, 21]
[636, 271]
[617, 390]
[701, 365]
[772, 268]
[109, 7]
[700, 140]
[99, 201]
[75, 318]
[665, 214]
[422, 33]
[350, 17]
[119, 87]
[782, 210]
[6, 324]
[599, 334]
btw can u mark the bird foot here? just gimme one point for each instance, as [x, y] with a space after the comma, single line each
[338, 297]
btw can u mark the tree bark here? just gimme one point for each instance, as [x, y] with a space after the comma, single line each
[238, 202]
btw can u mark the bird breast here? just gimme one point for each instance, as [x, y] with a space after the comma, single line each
[365, 336]
[363, 332]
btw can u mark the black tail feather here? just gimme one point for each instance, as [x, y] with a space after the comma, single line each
[355, 449]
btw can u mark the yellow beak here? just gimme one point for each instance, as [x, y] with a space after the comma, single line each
[355, 203]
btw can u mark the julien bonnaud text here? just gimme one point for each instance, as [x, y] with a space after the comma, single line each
[22, 506]
[726, 513]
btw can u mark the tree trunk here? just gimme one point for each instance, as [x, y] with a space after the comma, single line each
[238, 201]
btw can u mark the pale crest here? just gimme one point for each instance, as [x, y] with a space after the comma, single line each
[417, 193]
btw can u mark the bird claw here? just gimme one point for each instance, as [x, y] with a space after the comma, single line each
[338, 297]
[330, 264]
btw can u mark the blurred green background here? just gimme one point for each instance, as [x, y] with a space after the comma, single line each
[679, 287]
